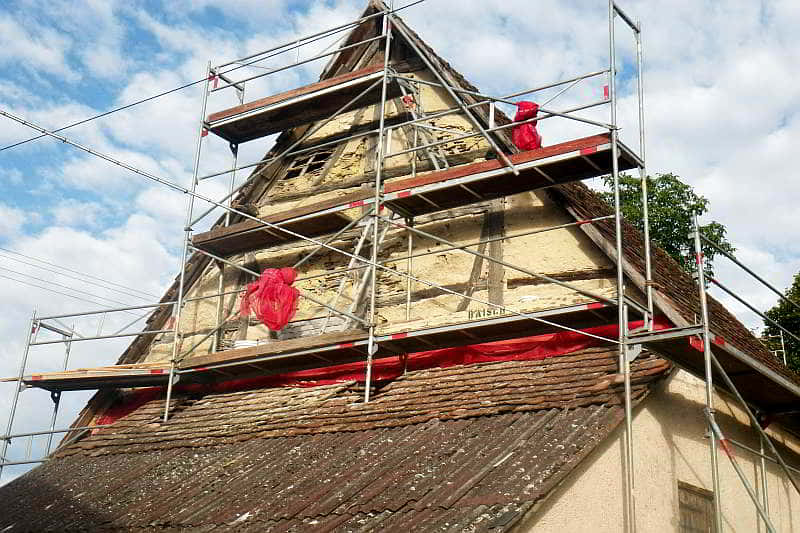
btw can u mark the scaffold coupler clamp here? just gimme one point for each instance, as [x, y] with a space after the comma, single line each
[709, 413]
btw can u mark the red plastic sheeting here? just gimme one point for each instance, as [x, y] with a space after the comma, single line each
[126, 405]
[525, 136]
[524, 349]
[272, 298]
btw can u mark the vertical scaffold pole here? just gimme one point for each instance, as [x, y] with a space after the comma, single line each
[624, 365]
[235, 153]
[221, 266]
[459, 101]
[648, 267]
[709, 409]
[726, 446]
[764, 484]
[18, 385]
[56, 395]
[371, 347]
[187, 236]
[409, 266]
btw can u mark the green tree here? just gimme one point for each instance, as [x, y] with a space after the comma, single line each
[787, 315]
[671, 206]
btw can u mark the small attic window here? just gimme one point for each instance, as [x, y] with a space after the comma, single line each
[308, 164]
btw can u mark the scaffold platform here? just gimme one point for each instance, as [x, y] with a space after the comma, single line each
[445, 189]
[118, 376]
[303, 105]
[328, 349]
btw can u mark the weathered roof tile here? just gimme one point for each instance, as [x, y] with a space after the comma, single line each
[441, 449]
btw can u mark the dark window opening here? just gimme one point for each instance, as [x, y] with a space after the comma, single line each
[308, 164]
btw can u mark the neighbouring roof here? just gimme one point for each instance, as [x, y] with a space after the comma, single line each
[473, 446]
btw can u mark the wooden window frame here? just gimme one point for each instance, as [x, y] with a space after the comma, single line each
[707, 496]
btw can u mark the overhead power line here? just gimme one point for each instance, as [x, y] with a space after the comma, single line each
[106, 113]
[57, 292]
[60, 267]
[67, 287]
[76, 278]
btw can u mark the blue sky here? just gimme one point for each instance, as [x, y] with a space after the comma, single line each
[721, 101]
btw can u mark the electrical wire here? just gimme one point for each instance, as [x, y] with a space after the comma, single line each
[106, 113]
[57, 292]
[149, 295]
[85, 293]
[271, 69]
[76, 278]
[176, 89]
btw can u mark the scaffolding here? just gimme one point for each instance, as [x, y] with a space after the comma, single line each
[395, 204]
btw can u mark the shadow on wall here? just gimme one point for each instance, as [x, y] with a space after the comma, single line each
[693, 428]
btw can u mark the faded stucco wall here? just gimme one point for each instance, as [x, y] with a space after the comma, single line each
[669, 447]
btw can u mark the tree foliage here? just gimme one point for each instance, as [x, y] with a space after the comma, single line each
[672, 205]
[788, 316]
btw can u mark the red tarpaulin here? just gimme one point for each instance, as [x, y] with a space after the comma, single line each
[272, 298]
[525, 136]
[523, 349]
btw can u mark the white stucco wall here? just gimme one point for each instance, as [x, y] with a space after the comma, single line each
[670, 447]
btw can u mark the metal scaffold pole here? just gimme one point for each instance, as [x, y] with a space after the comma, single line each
[17, 384]
[715, 433]
[187, 237]
[709, 409]
[624, 364]
[221, 267]
[763, 479]
[712, 423]
[648, 267]
[376, 207]
[56, 395]
[457, 99]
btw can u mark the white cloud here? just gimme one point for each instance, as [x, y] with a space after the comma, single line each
[71, 212]
[250, 11]
[28, 45]
[11, 220]
[12, 176]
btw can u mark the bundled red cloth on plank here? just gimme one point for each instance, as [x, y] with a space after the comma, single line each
[525, 136]
[272, 298]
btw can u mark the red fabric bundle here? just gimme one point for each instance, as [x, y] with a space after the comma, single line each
[525, 136]
[272, 298]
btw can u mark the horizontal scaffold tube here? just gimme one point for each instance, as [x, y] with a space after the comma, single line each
[323, 33]
[146, 306]
[184, 190]
[449, 248]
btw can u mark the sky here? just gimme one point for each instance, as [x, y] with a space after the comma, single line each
[720, 111]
